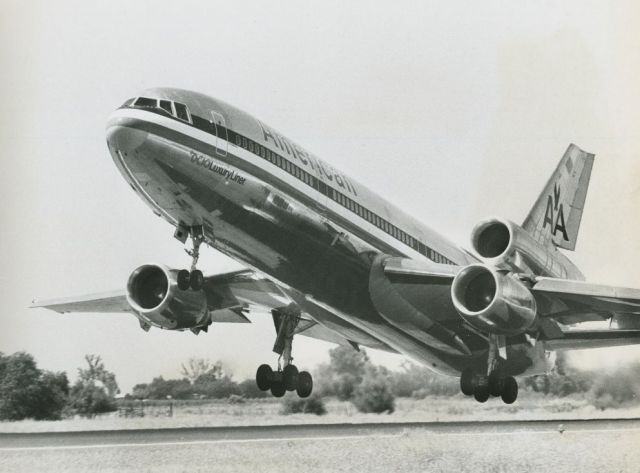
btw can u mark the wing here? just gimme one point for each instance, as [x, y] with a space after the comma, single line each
[102, 303]
[565, 305]
[229, 296]
[224, 291]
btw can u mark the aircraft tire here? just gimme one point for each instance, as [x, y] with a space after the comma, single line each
[290, 377]
[510, 390]
[481, 396]
[481, 388]
[183, 279]
[466, 381]
[196, 279]
[496, 384]
[264, 375]
[305, 384]
[277, 389]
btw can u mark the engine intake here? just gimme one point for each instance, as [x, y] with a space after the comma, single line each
[505, 245]
[493, 301]
[153, 294]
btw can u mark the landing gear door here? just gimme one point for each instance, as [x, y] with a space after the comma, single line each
[221, 133]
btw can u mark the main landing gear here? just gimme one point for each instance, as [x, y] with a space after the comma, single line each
[286, 377]
[495, 382]
[192, 278]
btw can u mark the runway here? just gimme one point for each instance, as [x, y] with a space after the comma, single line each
[142, 438]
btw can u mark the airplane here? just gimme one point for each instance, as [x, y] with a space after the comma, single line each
[332, 260]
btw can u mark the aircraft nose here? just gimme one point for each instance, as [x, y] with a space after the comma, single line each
[122, 134]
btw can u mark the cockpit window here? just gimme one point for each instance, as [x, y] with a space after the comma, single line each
[145, 102]
[181, 111]
[166, 106]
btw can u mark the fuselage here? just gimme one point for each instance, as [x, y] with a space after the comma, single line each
[277, 208]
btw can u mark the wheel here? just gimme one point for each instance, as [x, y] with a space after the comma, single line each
[496, 384]
[290, 377]
[264, 375]
[183, 279]
[277, 389]
[305, 384]
[481, 387]
[510, 390]
[481, 396]
[466, 381]
[196, 280]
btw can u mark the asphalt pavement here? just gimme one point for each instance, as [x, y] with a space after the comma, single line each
[309, 432]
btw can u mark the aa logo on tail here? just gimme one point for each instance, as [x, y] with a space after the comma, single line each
[554, 215]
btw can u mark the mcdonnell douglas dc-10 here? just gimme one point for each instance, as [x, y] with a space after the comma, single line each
[332, 260]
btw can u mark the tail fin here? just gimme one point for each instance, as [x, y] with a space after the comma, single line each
[556, 215]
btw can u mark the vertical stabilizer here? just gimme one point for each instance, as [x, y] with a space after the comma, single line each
[555, 217]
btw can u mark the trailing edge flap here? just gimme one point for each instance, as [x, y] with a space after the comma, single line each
[556, 215]
[312, 329]
[407, 269]
[576, 301]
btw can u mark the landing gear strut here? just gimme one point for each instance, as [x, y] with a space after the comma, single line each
[192, 278]
[287, 377]
[494, 382]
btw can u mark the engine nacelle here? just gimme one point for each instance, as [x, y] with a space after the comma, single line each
[153, 293]
[504, 245]
[493, 301]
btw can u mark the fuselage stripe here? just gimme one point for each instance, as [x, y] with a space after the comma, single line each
[328, 191]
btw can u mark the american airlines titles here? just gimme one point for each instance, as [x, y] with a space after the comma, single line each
[212, 166]
[322, 169]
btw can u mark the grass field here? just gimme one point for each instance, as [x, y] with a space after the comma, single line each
[267, 412]
[415, 450]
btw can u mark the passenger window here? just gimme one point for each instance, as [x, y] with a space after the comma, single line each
[181, 111]
[166, 106]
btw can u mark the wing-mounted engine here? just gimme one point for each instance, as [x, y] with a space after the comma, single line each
[505, 245]
[493, 301]
[153, 294]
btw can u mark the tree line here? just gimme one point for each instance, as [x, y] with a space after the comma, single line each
[26, 391]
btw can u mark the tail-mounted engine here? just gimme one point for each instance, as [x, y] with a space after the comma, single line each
[153, 293]
[504, 245]
[493, 301]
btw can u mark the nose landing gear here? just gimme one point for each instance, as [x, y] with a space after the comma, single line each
[495, 383]
[286, 377]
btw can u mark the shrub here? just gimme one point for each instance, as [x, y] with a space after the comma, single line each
[374, 395]
[419, 382]
[161, 388]
[28, 392]
[616, 389]
[89, 400]
[312, 405]
[212, 388]
[236, 399]
[343, 374]
[249, 389]
[94, 391]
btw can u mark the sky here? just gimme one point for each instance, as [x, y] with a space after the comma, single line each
[452, 110]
